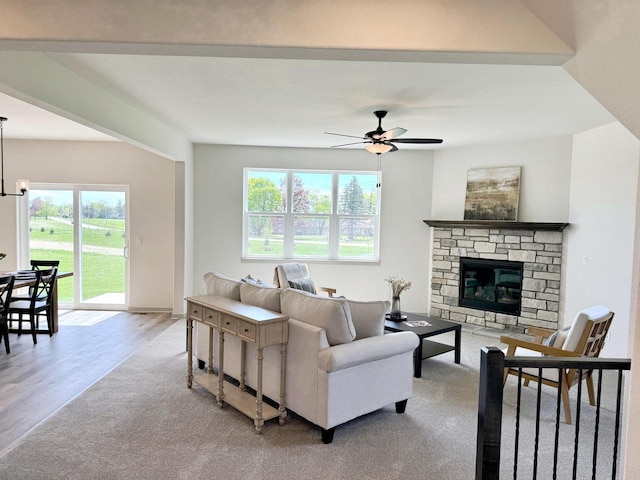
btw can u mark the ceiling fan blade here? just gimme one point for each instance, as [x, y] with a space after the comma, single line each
[342, 135]
[393, 133]
[416, 140]
[345, 144]
[394, 149]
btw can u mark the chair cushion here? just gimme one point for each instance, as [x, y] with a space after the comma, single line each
[217, 284]
[304, 284]
[577, 327]
[368, 317]
[547, 373]
[265, 297]
[332, 314]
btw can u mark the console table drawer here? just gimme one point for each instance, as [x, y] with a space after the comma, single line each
[229, 324]
[247, 331]
[196, 311]
[210, 318]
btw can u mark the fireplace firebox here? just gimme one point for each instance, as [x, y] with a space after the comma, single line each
[492, 285]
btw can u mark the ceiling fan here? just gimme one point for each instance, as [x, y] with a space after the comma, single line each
[381, 141]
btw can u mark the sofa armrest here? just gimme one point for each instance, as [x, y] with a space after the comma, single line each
[366, 350]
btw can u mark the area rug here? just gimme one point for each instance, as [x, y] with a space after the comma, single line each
[142, 422]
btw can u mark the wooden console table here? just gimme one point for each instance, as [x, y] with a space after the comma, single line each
[249, 324]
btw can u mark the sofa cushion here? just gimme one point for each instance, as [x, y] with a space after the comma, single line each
[217, 284]
[265, 297]
[332, 314]
[304, 284]
[368, 317]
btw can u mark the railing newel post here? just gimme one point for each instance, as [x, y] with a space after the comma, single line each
[489, 413]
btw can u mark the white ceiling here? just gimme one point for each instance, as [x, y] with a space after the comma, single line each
[291, 103]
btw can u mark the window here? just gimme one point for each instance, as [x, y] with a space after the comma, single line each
[305, 214]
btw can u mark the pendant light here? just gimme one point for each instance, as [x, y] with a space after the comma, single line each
[21, 185]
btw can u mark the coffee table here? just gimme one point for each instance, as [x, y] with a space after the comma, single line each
[428, 348]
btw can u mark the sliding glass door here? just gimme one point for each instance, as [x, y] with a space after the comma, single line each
[85, 228]
[103, 247]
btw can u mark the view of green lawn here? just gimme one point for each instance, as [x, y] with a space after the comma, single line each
[102, 257]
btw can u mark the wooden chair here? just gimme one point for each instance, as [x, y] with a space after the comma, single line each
[6, 287]
[37, 265]
[296, 275]
[585, 338]
[40, 303]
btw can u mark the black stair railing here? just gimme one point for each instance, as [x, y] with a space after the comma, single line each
[490, 417]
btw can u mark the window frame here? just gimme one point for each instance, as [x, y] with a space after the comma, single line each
[289, 217]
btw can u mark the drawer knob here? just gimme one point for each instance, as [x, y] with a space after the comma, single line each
[228, 323]
[246, 330]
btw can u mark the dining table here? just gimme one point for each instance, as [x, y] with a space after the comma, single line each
[27, 278]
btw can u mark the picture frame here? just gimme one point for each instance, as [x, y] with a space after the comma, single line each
[492, 194]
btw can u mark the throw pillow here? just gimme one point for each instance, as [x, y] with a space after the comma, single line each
[332, 314]
[304, 284]
[368, 317]
[258, 296]
[253, 281]
[217, 284]
[557, 338]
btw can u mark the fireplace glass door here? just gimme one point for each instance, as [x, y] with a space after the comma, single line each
[493, 285]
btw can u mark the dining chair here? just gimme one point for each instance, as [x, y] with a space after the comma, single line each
[40, 303]
[6, 287]
[37, 265]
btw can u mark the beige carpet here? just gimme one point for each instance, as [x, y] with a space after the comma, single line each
[142, 422]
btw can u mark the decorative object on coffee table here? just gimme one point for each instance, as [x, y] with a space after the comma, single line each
[492, 194]
[398, 285]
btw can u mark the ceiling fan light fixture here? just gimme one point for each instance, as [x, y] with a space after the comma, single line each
[379, 148]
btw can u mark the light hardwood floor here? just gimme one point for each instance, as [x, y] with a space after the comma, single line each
[37, 380]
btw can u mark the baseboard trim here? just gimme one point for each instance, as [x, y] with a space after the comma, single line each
[149, 310]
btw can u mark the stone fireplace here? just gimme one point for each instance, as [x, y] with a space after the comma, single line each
[535, 248]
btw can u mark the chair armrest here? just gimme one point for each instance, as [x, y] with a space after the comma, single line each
[366, 350]
[513, 343]
[540, 333]
[330, 291]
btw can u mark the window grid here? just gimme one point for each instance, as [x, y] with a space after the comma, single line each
[311, 234]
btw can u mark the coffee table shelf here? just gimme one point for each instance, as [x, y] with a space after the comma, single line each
[428, 348]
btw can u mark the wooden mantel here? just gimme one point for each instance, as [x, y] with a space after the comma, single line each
[549, 226]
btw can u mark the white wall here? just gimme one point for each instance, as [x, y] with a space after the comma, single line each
[151, 209]
[545, 172]
[604, 192]
[406, 197]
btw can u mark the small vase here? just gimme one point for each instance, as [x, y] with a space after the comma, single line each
[396, 313]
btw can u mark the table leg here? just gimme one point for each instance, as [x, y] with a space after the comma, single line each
[210, 359]
[189, 352]
[220, 395]
[417, 360]
[54, 308]
[259, 421]
[243, 366]
[458, 342]
[283, 362]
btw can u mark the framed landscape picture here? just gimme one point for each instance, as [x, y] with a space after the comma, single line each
[492, 194]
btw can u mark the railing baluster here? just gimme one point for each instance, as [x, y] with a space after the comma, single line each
[597, 425]
[537, 438]
[577, 437]
[617, 430]
[517, 440]
[556, 440]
